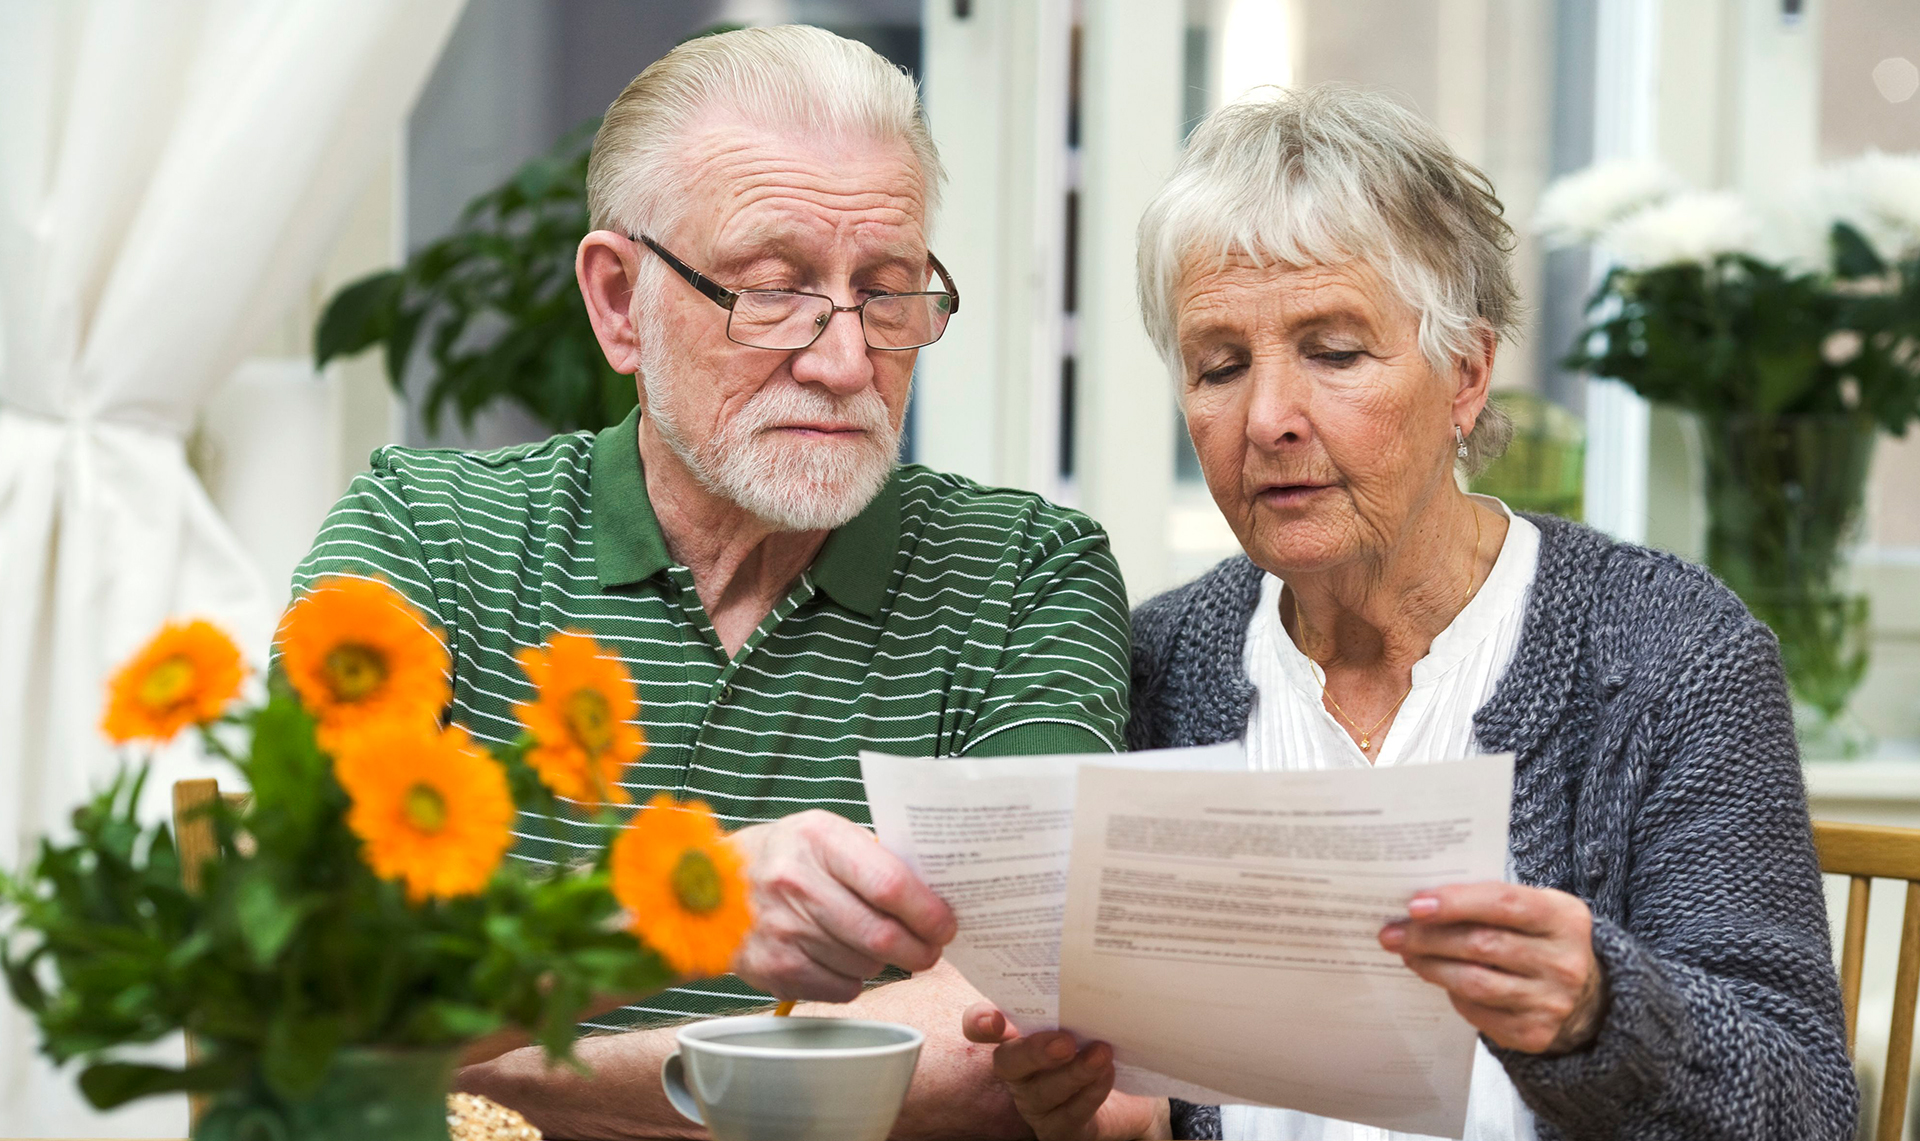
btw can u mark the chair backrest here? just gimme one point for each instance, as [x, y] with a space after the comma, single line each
[1862, 852]
[195, 841]
[193, 836]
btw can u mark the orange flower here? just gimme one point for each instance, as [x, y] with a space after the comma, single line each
[431, 810]
[683, 886]
[356, 651]
[581, 718]
[185, 676]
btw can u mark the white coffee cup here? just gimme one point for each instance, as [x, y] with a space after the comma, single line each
[763, 1078]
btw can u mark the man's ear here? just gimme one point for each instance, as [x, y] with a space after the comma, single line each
[604, 267]
[1474, 376]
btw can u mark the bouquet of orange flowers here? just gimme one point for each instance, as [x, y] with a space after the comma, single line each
[362, 896]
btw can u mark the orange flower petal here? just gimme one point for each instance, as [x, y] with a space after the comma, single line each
[695, 922]
[357, 652]
[186, 675]
[430, 808]
[582, 718]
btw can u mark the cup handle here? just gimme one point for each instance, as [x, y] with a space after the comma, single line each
[673, 1079]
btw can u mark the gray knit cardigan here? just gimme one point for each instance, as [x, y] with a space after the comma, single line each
[1656, 777]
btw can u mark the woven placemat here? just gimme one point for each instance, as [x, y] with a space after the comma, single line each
[471, 1117]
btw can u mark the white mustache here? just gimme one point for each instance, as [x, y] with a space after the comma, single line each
[792, 405]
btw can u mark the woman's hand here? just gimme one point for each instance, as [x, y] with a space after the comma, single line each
[1516, 961]
[1064, 1094]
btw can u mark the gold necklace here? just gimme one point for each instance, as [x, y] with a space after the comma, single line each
[1366, 735]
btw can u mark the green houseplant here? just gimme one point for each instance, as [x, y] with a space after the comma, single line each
[358, 924]
[494, 305]
[1793, 334]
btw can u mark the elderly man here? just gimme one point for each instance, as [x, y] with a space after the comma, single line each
[783, 594]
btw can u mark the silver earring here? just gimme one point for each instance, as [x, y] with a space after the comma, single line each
[1459, 442]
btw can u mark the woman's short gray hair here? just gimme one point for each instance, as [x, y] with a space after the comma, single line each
[791, 75]
[1326, 175]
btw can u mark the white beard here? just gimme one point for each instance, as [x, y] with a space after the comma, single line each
[788, 483]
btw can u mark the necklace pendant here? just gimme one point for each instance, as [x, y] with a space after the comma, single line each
[1365, 743]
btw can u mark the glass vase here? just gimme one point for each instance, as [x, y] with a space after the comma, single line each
[1784, 496]
[369, 1093]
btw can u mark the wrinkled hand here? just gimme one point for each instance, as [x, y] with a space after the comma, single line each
[1064, 1094]
[831, 908]
[1517, 961]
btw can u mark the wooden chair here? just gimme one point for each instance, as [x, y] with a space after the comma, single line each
[1862, 852]
[195, 841]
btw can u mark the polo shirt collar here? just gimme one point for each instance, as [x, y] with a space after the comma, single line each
[853, 566]
[627, 544]
[856, 562]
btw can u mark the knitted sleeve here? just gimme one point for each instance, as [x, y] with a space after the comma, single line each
[1155, 625]
[1724, 1017]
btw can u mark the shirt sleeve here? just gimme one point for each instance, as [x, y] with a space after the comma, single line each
[1061, 684]
[370, 534]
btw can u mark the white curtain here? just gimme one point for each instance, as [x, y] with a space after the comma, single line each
[172, 173]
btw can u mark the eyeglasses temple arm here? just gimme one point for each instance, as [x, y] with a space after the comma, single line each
[946, 279]
[715, 292]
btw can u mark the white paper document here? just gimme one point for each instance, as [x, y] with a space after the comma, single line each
[992, 837]
[1217, 926]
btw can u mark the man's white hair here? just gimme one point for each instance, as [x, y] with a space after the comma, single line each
[1328, 175]
[791, 76]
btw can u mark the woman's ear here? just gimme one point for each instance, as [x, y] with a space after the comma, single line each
[604, 267]
[1473, 377]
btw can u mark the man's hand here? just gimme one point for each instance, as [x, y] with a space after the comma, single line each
[1517, 961]
[831, 908]
[1064, 1094]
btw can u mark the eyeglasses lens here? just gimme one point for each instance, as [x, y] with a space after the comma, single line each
[775, 319]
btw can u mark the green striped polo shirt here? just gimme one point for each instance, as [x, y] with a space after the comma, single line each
[946, 619]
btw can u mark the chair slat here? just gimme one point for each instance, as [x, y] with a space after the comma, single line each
[1863, 852]
[1853, 953]
[1867, 850]
[1906, 987]
[193, 836]
[194, 840]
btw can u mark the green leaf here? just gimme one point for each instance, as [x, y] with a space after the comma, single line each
[442, 1021]
[536, 178]
[110, 1084]
[399, 347]
[1853, 255]
[297, 1052]
[23, 982]
[267, 920]
[358, 316]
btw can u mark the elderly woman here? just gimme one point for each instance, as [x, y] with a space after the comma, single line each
[1329, 283]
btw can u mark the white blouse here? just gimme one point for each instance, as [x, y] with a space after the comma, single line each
[1291, 729]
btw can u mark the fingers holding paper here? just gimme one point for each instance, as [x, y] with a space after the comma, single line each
[1517, 962]
[1064, 1092]
[831, 909]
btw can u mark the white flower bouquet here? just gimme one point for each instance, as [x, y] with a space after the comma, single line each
[1792, 328]
[1807, 305]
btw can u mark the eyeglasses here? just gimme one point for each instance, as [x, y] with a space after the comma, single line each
[788, 321]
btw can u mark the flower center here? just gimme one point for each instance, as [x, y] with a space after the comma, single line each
[590, 721]
[696, 882]
[426, 809]
[354, 671]
[166, 683]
